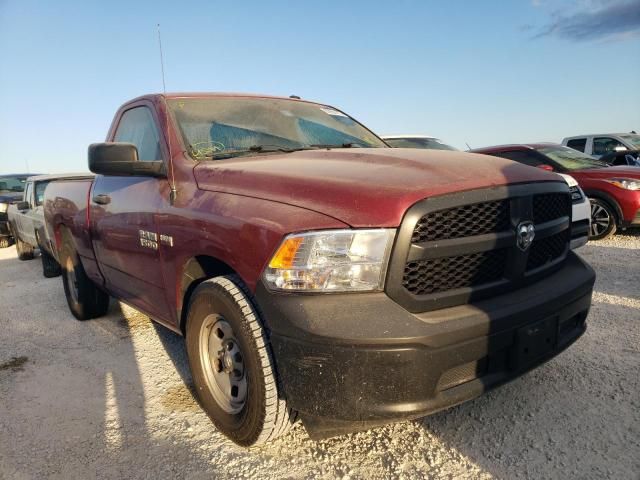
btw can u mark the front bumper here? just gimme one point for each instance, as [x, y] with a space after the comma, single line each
[351, 361]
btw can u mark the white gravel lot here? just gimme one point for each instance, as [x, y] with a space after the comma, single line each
[109, 398]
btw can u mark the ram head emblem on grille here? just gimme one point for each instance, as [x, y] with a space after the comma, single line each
[525, 233]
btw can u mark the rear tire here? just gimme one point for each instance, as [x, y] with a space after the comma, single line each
[232, 365]
[50, 267]
[84, 298]
[25, 251]
[5, 242]
[603, 220]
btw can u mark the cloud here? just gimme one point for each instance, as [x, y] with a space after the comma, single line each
[616, 20]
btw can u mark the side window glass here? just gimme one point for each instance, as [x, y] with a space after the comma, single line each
[40, 186]
[27, 194]
[604, 145]
[137, 127]
[577, 144]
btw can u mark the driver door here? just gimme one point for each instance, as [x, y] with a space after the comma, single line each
[123, 215]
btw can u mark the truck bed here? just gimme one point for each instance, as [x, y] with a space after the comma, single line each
[65, 207]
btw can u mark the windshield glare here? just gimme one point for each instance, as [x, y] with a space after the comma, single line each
[571, 159]
[12, 184]
[419, 142]
[633, 139]
[216, 126]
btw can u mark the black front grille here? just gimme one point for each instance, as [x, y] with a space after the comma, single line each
[463, 247]
[550, 206]
[464, 221]
[448, 273]
[546, 250]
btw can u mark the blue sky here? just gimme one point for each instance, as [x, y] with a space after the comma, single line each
[468, 72]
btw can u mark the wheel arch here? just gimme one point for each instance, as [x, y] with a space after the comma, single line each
[604, 196]
[196, 270]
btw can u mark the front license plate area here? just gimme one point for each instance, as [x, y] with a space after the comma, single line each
[534, 342]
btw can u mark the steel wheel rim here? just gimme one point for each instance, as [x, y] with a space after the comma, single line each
[600, 219]
[72, 281]
[223, 364]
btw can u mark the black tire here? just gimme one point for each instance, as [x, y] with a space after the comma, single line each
[5, 242]
[50, 267]
[25, 251]
[84, 298]
[262, 415]
[603, 220]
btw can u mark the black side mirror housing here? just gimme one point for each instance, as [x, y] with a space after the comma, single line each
[23, 205]
[121, 159]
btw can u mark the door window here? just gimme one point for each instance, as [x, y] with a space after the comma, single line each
[604, 145]
[40, 186]
[27, 193]
[577, 144]
[137, 127]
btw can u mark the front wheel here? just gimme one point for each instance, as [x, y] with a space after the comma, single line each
[232, 365]
[25, 251]
[603, 220]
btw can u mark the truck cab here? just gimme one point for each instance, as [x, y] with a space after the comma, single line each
[597, 145]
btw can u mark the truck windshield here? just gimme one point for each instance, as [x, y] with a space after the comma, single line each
[12, 184]
[225, 126]
[571, 159]
[633, 139]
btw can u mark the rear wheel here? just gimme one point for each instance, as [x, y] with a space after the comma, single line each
[25, 251]
[50, 267]
[4, 242]
[603, 220]
[84, 298]
[232, 365]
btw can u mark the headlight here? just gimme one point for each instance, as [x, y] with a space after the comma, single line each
[3, 207]
[331, 261]
[626, 183]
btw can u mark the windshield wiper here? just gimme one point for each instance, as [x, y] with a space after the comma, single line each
[342, 145]
[253, 149]
[273, 148]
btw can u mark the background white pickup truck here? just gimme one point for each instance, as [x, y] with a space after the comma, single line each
[600, 144]
[26, 221]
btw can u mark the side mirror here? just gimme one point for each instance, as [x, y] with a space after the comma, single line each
[548, 168]
[121, 159]
[23, 205]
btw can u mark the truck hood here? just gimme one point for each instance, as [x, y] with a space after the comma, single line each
[609, 172]
[361, 187]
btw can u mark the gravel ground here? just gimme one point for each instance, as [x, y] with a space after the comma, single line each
[110, 398]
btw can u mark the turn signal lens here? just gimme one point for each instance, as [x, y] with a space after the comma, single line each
[286, 254]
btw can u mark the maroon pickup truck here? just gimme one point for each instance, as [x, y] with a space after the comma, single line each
[314, 271]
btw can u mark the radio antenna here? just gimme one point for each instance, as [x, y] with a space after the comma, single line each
[164, 87]
[172, 183]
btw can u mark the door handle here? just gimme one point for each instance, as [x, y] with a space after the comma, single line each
[101, 199]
